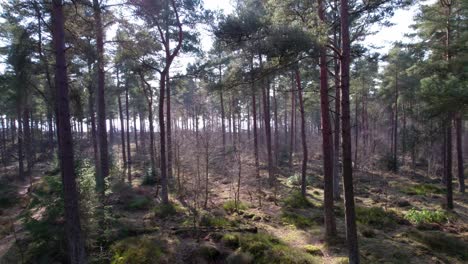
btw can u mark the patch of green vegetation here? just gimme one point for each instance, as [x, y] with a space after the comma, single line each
[266, 249]
[379, 250]
[231, 206]
[150, 177]
[442, 242]
[423, 189]
[231, 240]
[139, 202]
[215, 221]
[166, 210]
[296, 200]
[426, 216]
[298, 220]
[296, 180]
[134, 250]
[8, 194]
[313, 250]
[238, 257]
[376, 217]
[341, 260]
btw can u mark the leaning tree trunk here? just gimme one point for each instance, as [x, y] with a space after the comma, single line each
[75, 241]
[350, 214]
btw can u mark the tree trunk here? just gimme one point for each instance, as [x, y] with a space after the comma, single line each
[168, 129]
[162, 140]
[327, 147]
[20, 144]
[129, 155]
[255, 134]
[223, 125]
[266, 116]
[350, 214]
[293, 122]
[395, 132]
[276, 127]
[303, 134]
[75, 241]
[101, 102]
[459, 131]
[122, 133]
[336, 156]
[448, 165]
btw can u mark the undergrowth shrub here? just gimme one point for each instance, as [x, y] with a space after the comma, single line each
[136, 250]
[296, 180]
[296, 200]
[387, 162]
[298, 220]
[8, 194]
[442, 242]
[426, 216]
[150, 177]
[231, 206]
[265, 248]
[376, 217]
[166, 210]
[423, 189]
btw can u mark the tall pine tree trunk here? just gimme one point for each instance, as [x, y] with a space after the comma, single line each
[75, 241]
[459, 135]
[350, 214]
[327, 143]
[101, 102]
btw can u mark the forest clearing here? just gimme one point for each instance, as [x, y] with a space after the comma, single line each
[244, 131]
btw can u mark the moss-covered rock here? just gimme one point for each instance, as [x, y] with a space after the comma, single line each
[313, 250]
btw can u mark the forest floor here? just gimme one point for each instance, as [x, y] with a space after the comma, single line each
[400, 220]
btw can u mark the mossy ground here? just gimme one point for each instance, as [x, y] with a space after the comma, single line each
[390, 211]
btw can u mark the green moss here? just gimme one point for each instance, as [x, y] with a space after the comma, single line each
[238, 257]
[381, 250]
[166, 210]
[215, 221]
[265, 248]
[8, 194]
[442, 242]
[139, 202]
[297, 220]
[313, 250]
[423, 189]
[426, 216]
[296, 180]
[133, 250]
[376, 217]
[231, 206]
[296, 200]
[341, 260]
[230, 240]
